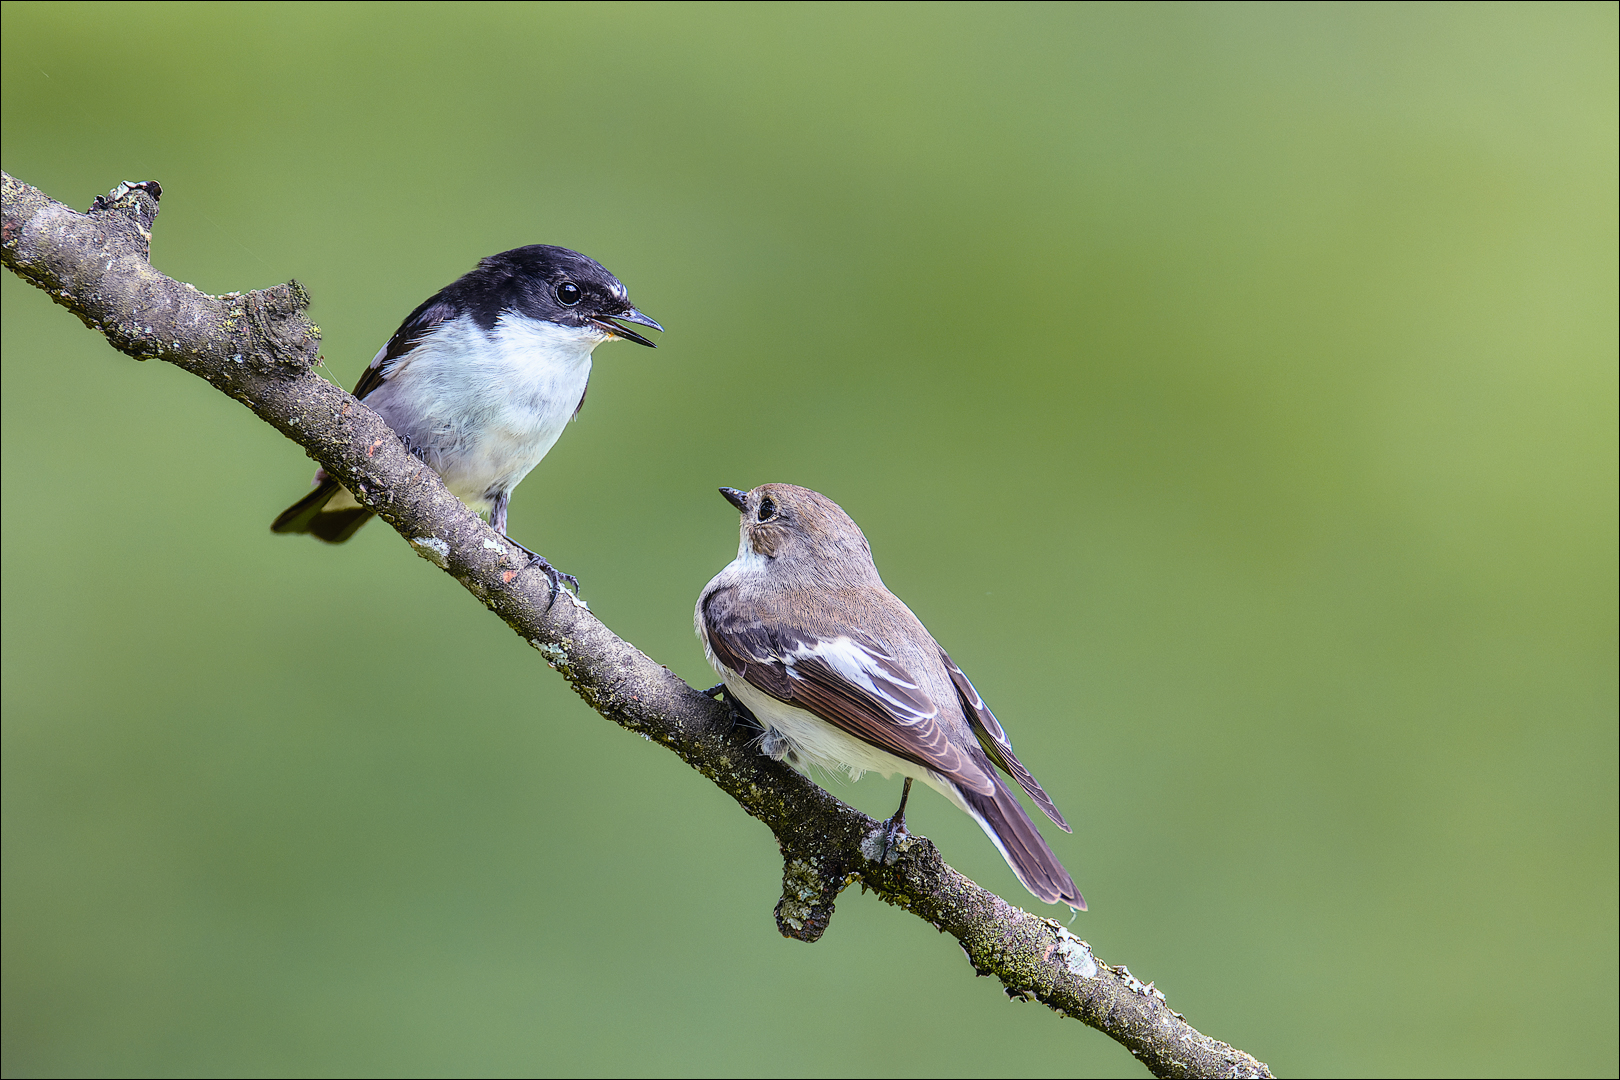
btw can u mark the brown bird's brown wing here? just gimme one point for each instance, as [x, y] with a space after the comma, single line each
[850, 681]
[995, 741]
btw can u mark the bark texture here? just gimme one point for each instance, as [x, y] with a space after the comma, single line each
[259, 348]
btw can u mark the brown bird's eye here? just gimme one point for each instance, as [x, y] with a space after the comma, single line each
[568, 294]
[767, 508]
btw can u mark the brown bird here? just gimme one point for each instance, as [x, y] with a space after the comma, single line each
[842, 675]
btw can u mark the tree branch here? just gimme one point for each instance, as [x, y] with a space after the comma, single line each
[259, 348]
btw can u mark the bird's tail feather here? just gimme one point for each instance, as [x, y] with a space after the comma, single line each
[1003, 819]
[309, 515]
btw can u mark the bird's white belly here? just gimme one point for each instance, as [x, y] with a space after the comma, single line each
[501, 457]
[483, 408]
[816, 742]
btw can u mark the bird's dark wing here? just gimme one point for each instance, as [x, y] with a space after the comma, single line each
[995, 742]
[850, 681]
[425, 318]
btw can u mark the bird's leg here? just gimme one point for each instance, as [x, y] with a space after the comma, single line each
[497, 521]
[899, 818]
[497, 512]
[895, 827]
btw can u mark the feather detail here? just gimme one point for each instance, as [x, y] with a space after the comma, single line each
[848, 681]
[1004, 821]
[996, 744]
[310, 515]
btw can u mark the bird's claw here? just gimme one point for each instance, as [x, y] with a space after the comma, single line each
[893, 830]
[739, 711]
[556, 576]
[553, 575]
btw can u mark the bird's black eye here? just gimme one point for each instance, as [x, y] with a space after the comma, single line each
[568, 294]
[767, 508]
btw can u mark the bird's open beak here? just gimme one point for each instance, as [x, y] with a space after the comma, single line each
[616, 330]
[734, 497]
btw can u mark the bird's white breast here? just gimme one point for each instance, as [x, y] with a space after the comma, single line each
[484, 406]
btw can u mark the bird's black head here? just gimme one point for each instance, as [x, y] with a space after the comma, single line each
[554, 284]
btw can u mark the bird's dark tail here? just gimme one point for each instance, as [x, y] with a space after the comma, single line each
[1002, 817]
[309, 515]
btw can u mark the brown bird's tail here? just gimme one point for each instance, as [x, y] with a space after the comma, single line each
[309, 515]
[1003, 819]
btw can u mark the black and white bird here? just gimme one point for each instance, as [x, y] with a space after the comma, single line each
[481, 379]
[842, 675]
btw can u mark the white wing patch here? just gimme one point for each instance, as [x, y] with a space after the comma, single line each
[877, 674]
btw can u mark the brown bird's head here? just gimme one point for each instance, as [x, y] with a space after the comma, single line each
[801, 531]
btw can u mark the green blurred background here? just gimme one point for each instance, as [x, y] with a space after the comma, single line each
[1230, 388]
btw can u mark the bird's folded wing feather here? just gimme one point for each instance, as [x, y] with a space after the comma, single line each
[413, 329]
[995, 742]
[851, 682]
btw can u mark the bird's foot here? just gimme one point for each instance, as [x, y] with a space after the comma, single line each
[555, 576]
[739, 711]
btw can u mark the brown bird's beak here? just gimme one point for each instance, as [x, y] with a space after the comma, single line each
[734, 497]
